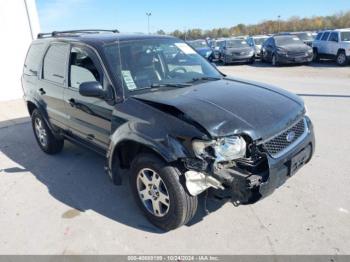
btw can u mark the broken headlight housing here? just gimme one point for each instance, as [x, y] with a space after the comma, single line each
[223, 149]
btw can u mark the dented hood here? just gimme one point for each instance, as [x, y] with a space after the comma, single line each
[229, 106]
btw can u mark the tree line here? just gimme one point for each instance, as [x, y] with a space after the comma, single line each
[295, 23]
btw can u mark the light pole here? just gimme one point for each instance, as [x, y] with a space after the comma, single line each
[148, 16]
[279, 23]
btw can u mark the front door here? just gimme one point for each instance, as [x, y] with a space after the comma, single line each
[89, 117]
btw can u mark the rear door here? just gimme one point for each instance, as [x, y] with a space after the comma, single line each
[333, 44]
[89, 117]
[52, 82]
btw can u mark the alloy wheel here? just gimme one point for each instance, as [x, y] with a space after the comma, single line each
[341, 58]
[40, 132]
[153, 192]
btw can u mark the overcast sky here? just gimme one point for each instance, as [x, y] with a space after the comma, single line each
[130, 15]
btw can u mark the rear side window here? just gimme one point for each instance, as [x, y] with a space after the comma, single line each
[55, 62]
[34, 56]
[345, 36]
[333, 37]
[319, 35]
[325, 36]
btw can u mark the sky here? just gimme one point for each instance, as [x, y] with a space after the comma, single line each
[168, 15]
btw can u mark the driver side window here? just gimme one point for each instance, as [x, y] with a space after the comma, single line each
[82, 68]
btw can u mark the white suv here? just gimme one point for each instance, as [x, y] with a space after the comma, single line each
[333, 44]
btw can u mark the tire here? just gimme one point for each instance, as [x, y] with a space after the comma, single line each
[178, 206]
[43, 135]
[316, 57]
[262, 59]
[341, 59]
[274, 60]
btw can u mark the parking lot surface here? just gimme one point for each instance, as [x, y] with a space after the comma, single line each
[65, 204]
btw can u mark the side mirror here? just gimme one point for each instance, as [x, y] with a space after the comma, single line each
[91, 89]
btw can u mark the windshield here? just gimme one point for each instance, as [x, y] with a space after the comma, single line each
[305, 36]
[260, 40]
[236, 43]
[345, 36]
[157, 62]
[198, 44]
[287, 40]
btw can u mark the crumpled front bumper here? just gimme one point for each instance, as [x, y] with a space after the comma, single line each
[283, 168]
[248, 187]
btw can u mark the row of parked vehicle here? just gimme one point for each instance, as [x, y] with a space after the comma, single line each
[282, 48]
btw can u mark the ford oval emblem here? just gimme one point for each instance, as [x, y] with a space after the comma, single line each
[290, 136]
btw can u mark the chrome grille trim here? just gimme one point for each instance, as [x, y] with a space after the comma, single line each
[278, 145]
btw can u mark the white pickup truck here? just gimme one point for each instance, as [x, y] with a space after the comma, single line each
[333, 44]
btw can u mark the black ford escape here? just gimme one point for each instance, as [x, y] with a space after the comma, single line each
[155, 107]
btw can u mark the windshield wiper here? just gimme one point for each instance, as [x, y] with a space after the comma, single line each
[157, 85]
[205, 78]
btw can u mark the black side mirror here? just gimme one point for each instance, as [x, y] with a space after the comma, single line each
[91, 89]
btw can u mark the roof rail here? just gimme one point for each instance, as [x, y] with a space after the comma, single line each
[72, 32]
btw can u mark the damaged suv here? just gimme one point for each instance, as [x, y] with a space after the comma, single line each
[157, 109]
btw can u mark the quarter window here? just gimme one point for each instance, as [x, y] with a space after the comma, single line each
[319, 35]
[33, 58]
[82, 68]
[325, 36]
[55, 63]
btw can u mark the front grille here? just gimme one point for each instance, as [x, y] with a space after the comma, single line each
[296, 53]
[280, 142]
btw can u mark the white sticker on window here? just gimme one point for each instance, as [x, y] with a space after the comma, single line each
[185, 48]
[295, 38]
[128, 80]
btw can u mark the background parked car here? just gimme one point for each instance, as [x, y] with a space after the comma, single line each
[202, 47]
[285, 49]
[306, 37]
[333, 44]
[236, 50]
[256, 42]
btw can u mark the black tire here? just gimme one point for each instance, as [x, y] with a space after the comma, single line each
[316, 57]
[182, 206]
[223, 60]
[251, 61]
[341, 59]
[274, 60]
[52, 145]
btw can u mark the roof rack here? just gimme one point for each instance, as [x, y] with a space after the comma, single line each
[72, 32]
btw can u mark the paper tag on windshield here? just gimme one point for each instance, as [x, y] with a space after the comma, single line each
[128, 80]
[295, 38]
[185, 48]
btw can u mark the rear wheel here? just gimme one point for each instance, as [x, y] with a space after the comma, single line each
[341, 59]
[157, 189]
[46, 140]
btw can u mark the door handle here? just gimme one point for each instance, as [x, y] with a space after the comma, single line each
[42, 91]
[72, 102]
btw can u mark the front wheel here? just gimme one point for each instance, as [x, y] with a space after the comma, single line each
[275, 60]
[157, 189]
[341, 59]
